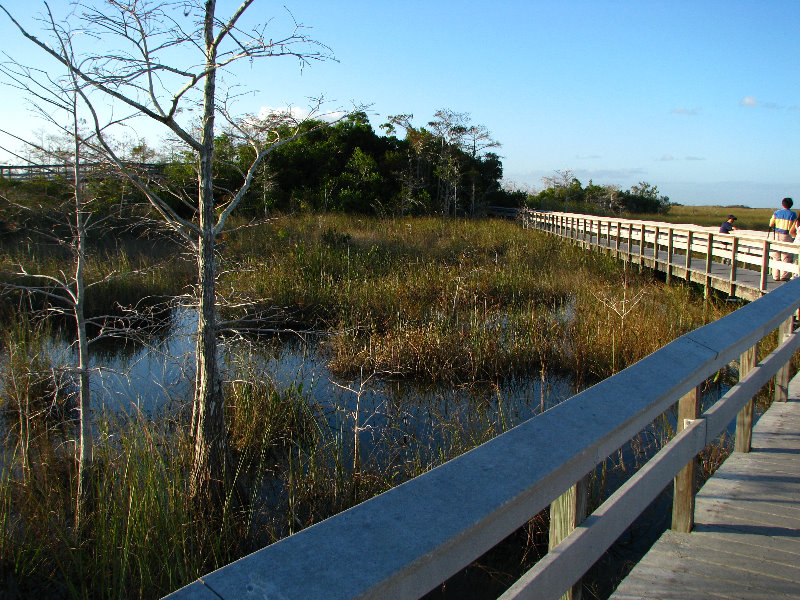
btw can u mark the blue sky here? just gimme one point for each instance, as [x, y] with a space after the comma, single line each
[699, 98]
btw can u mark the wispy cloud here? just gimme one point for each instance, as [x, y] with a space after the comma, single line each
[695, 158]
[686, 111]
[749, 101]
[666, 158]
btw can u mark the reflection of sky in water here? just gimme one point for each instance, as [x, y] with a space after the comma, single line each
[159, 377]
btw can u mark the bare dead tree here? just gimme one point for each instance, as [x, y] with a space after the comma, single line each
[477, 139]
[560, 180]
[450, 128]
[163, 61]
[57, 100]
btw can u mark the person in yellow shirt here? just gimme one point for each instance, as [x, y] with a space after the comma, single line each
[784, 223]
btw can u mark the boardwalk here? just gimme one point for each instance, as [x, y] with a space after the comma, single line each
[746, 540]
[738, 264]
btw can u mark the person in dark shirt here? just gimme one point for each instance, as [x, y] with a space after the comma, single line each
[728, 225]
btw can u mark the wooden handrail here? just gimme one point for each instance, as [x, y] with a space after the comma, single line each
[408, 540]
[753, 250]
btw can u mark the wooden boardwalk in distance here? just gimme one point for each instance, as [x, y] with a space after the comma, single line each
[746, 539]
[739, 263]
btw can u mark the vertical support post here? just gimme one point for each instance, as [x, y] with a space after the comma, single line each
[670, 250]
[709, 258]
[566, 513]
[782, 376]
[744, 420]
[641, 246]
[599, 234]
[616, 239]
[630, 243]
[684, 484]
[655, 247]
[688, 253]
[765, 266]
[734, 252]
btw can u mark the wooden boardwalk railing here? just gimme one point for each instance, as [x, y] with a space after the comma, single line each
[739, 263]
[746, 539]
[55, 171]
[405, 542]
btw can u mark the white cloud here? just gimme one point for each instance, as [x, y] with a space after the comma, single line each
[748, 101]
[686, 111]
[667, 157]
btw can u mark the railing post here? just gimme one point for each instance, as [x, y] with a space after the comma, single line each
[630, 243]
[688, 253]
[641, 246]
[765, 266]
[782, 376]
[566, 513]
[670, 249]
[616, 239]
[709, 258]
[599, 233]
[734, 251]
[744, 420]
[683, 485]
[655, 247]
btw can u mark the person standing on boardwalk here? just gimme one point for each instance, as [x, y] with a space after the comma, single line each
[783, 222]
[728, 225]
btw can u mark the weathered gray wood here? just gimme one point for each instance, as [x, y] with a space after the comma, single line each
[584, 546]
[744, 420]
[782, 377]
[746, 541]
[683, 485]
[566, 513]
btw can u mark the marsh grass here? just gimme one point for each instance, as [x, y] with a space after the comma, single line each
[459, 303]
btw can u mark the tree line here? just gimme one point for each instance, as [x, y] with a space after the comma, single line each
[564, 191]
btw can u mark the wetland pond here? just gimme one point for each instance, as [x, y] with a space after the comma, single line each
[156, 379]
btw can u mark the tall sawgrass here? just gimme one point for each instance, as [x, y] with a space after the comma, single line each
[460, 300]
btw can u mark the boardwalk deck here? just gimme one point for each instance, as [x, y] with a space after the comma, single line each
[746, 540]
